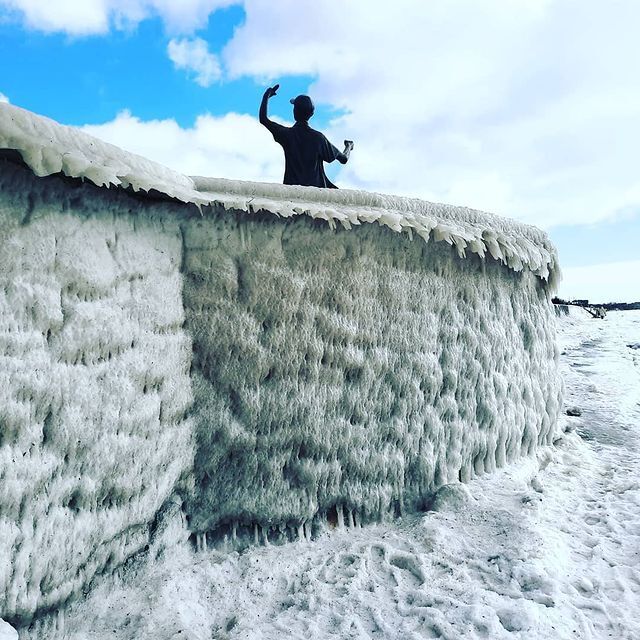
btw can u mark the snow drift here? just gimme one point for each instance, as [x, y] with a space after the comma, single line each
[246, 354]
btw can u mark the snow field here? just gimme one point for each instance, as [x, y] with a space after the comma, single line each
[601, 368]
[94, 386]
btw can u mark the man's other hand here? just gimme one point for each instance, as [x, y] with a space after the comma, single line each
[348, 144]
[271, 91]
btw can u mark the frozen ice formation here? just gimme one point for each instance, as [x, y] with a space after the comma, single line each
[94, 384]
[48, 148]
[247, 356]
[354, 371]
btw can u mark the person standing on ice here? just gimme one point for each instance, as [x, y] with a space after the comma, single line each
[305, 149]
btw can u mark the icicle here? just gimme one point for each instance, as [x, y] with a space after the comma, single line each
[307, 531]
[350, 522]
[356, 520]
[204, 541]
[256, 537]
[340, 513]
[265, 535]
[301, 531]
[234, 532]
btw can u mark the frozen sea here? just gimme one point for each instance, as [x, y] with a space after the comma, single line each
[544, 548]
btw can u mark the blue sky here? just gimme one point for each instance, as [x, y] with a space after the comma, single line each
[90, 79]
[527, 108]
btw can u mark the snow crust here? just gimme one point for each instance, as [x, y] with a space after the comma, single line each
[48, 148]
[7, 632]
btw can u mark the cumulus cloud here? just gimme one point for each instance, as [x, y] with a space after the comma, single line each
[3, 98]
[231, 146]
[90, 17]
[523, 108]
[194, 55]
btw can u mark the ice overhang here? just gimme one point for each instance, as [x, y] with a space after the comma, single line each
[50, 148]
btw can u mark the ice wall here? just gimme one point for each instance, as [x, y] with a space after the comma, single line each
[274, 355]
[354, 372]
[94, 383]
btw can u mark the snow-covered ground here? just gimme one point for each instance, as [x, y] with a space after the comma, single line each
[545, 548]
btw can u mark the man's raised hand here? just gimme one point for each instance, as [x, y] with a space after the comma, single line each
[348, 144]
[271, 91]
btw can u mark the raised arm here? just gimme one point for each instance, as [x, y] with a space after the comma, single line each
[264, 119]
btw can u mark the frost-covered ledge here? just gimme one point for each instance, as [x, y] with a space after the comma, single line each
[278, 357]
[49, 148]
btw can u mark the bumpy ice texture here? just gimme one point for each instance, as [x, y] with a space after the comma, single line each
[326, 373]
[351, 374]
[94, 384]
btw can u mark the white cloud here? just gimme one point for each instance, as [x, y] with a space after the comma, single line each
[232, 146]
[88, 17]
[610, 282]
[70, 16]
[523, 108]
[194, 55]
[3, 98]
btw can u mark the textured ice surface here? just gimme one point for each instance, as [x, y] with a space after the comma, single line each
[48, 148]
[354, 372]
[94, 384]
[544, 549]
[328, 374]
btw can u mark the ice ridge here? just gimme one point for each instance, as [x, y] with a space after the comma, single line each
[48, 148]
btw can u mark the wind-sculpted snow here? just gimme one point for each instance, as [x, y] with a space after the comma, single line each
[269, 367]
[94, 385]
[49, 148]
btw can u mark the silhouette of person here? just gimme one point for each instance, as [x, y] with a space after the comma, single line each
[305, 149]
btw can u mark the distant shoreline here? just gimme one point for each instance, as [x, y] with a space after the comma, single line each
[609, 306]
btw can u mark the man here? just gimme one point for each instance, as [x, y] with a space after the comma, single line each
[305, 149]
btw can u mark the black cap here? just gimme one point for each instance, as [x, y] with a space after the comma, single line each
[303, 102]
